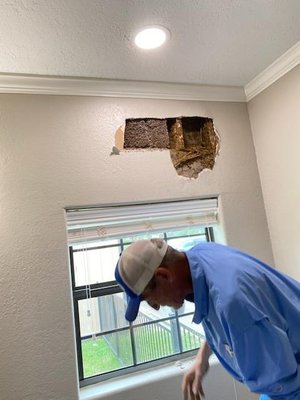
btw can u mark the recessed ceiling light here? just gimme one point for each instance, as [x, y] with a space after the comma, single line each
[152, 37]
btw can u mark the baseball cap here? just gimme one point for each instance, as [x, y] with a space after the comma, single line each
[135, 268]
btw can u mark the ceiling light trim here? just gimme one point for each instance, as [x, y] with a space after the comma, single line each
[145, 40]
[275, 71]
[28, 84]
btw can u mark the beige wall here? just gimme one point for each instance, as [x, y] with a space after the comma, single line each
[275, 121]
[55, 152]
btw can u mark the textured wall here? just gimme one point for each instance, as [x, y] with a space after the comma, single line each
[275, 121]
[55, 152]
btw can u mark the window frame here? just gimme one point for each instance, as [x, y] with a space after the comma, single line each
[109, 288]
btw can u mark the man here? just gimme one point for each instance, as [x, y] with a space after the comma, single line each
[250, 312]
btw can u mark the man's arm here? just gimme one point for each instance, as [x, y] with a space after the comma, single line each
[192, 379]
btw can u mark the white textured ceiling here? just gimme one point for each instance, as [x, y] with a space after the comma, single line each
[213, 42]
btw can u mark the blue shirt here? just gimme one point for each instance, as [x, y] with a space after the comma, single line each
[250, 313]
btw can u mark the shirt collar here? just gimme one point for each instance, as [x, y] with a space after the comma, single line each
[199, 287]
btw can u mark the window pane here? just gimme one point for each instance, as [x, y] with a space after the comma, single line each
[197, 230]
[146, 235]
[156, 340]
[148, 314]
[192, 335]
[101, 314]
[106, 353]
[188, 307]
[186, 243]
[96, 243]
[95, 265]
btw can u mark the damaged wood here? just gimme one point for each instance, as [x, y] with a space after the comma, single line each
[192, 141]
[194, 145]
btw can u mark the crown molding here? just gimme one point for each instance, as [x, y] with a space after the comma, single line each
[37, 84]
[33, 84]
[275, 71]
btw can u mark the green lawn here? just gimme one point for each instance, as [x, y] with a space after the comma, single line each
[98, 356]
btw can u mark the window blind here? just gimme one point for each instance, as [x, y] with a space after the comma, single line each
[109, 222]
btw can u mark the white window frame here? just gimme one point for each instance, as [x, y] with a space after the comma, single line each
[89, 224]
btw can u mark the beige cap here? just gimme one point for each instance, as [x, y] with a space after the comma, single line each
[135, 269]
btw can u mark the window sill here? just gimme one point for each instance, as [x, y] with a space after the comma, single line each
[117, 385]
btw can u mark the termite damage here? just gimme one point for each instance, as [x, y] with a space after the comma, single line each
[192, 141]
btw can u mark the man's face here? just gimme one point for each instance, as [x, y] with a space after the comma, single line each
[164, 293]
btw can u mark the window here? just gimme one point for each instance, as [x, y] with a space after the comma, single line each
[107, 345]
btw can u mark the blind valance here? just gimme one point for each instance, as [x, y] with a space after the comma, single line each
[117, 221]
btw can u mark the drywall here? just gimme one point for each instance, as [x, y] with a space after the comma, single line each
[275, 121]
[56, 152]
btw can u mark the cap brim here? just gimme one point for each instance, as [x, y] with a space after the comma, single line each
[133, 306]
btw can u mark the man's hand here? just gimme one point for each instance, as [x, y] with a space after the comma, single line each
[192, 380]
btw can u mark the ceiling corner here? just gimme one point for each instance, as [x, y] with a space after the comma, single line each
[275, 71]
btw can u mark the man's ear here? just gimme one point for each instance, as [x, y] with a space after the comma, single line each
[162, 273]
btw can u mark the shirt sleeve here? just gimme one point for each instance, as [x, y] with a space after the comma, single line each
[267, 361]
